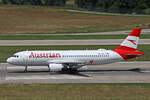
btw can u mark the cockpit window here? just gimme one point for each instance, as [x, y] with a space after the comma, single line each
[16, 56]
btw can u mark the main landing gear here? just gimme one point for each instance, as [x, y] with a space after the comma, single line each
[51, 72]
[49, 69]
[26, 69]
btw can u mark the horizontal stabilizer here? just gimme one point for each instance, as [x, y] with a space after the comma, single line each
[134, 54]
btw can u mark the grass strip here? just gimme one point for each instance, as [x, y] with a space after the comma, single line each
[36, 19]
[66, 37]
[75, 91]
[7, 51]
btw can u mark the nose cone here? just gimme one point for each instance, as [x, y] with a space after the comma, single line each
[9, 61]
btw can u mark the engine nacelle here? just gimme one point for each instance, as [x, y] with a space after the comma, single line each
[56, 67]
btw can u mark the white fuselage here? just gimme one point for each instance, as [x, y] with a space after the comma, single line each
[71, 60]
[87, 57]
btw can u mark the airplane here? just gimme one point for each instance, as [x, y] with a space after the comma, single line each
[72, 60]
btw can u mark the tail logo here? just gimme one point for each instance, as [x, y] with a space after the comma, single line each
[132, 41]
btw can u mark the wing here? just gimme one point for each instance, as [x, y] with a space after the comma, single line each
[66, 61]
[69, 63]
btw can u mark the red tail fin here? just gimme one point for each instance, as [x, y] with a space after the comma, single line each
[131, 42]
[128, 47]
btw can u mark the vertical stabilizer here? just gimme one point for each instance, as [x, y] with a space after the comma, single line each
[127, 48]
[131, 42]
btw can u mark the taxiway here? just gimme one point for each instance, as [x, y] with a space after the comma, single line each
[144, 31]
[67, 42]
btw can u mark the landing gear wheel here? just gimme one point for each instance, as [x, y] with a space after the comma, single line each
[73, 71]
[49, 69]
[26, 69]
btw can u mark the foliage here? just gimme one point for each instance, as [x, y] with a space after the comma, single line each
[35, 2]
[147, 11]
[117, 6]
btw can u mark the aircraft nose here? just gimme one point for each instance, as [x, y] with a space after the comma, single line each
[9, 60]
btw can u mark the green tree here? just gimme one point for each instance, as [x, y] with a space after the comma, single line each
[36, 2]
[121, 6]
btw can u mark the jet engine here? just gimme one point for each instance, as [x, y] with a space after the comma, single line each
[56, 67]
